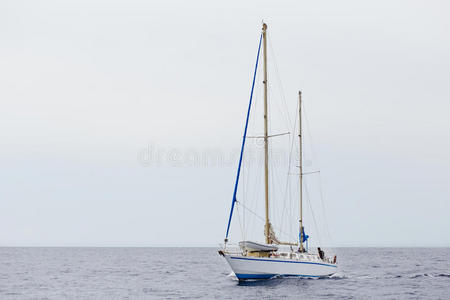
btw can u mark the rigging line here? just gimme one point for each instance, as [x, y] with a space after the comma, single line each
[256, 181]
[289, 165]
[247, 161]
[308, 130]
[277, 186]
[250, 155]
[244, 187]
[256, 102]
[256, 191]
[276, 106]
[312, 213]
[280, 184]
[272, 135]
[239, 218]
[254, 196]
[275, 180]
[262, 219]
[324, 211]
[287, 201]
[277, 73]
[243, 141]
[312, 172]
[253, 191]
[315, 157]
[293, 205]
[251, 187]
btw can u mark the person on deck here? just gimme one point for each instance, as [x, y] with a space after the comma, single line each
[321, 253]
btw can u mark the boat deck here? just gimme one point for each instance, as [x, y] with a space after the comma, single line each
[280, 255]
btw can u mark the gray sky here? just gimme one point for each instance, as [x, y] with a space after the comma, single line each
[88, 87]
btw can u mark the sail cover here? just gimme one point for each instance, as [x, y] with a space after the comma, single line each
[256, 247]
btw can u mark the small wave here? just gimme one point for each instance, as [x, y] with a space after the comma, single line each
[337, 276]
[429, 275]
[421, 275]
[366, 277]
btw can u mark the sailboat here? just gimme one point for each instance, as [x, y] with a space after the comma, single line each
[264, 260]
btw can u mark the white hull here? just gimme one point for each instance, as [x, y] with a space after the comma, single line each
[245, 267]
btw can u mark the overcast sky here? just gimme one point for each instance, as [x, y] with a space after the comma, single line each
[91, 90]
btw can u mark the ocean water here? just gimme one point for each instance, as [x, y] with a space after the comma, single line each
[191, 273]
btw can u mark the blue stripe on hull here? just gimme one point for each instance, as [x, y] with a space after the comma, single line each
[283, 261]
[267, 276]
[255, 276]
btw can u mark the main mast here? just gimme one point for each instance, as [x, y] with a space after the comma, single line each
[301, 168]
[266, 139]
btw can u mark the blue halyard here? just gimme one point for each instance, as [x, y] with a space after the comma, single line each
[243, 143]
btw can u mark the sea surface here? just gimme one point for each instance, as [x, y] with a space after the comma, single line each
[191, 273]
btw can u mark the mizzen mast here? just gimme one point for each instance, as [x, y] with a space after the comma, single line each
[301, 169]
